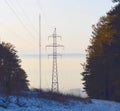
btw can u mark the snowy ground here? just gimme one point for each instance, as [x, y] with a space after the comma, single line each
[33, 104]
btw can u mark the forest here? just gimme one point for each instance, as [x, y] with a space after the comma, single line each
[100, 77]
[102, 71]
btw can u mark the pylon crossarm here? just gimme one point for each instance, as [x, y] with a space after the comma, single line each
[49, 46]
[56, 55]
[54, 46]
[59, 45]
[51, 36]
[57, 36]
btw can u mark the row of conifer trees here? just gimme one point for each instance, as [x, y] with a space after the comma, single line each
[101, 74]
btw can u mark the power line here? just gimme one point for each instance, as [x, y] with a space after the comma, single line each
[19, 19]
[27, 18]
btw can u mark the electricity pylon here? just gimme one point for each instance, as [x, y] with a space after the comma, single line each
[55, 84]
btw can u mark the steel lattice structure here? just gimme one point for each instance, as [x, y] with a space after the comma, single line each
[55, 45]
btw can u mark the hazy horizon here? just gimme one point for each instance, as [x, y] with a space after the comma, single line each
[69, 75]
[73, 19]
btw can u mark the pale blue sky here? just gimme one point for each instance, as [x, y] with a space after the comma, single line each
[73, 20]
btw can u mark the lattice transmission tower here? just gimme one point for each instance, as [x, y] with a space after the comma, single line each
[54, 45]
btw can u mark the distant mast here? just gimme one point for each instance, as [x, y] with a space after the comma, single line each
[40, 48]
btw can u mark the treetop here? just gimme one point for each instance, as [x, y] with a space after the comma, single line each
[116, 0]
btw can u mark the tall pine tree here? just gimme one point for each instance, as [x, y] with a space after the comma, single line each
[102, 73]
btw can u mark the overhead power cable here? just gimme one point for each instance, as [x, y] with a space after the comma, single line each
[26, 17]
[19, 19]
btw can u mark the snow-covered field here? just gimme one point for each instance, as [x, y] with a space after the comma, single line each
[33, 104]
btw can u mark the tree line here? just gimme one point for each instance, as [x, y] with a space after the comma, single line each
[101, 74]
[13, 79]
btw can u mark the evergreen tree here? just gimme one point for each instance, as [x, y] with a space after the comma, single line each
[102, 72]
[12, 76]
[116, 0]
